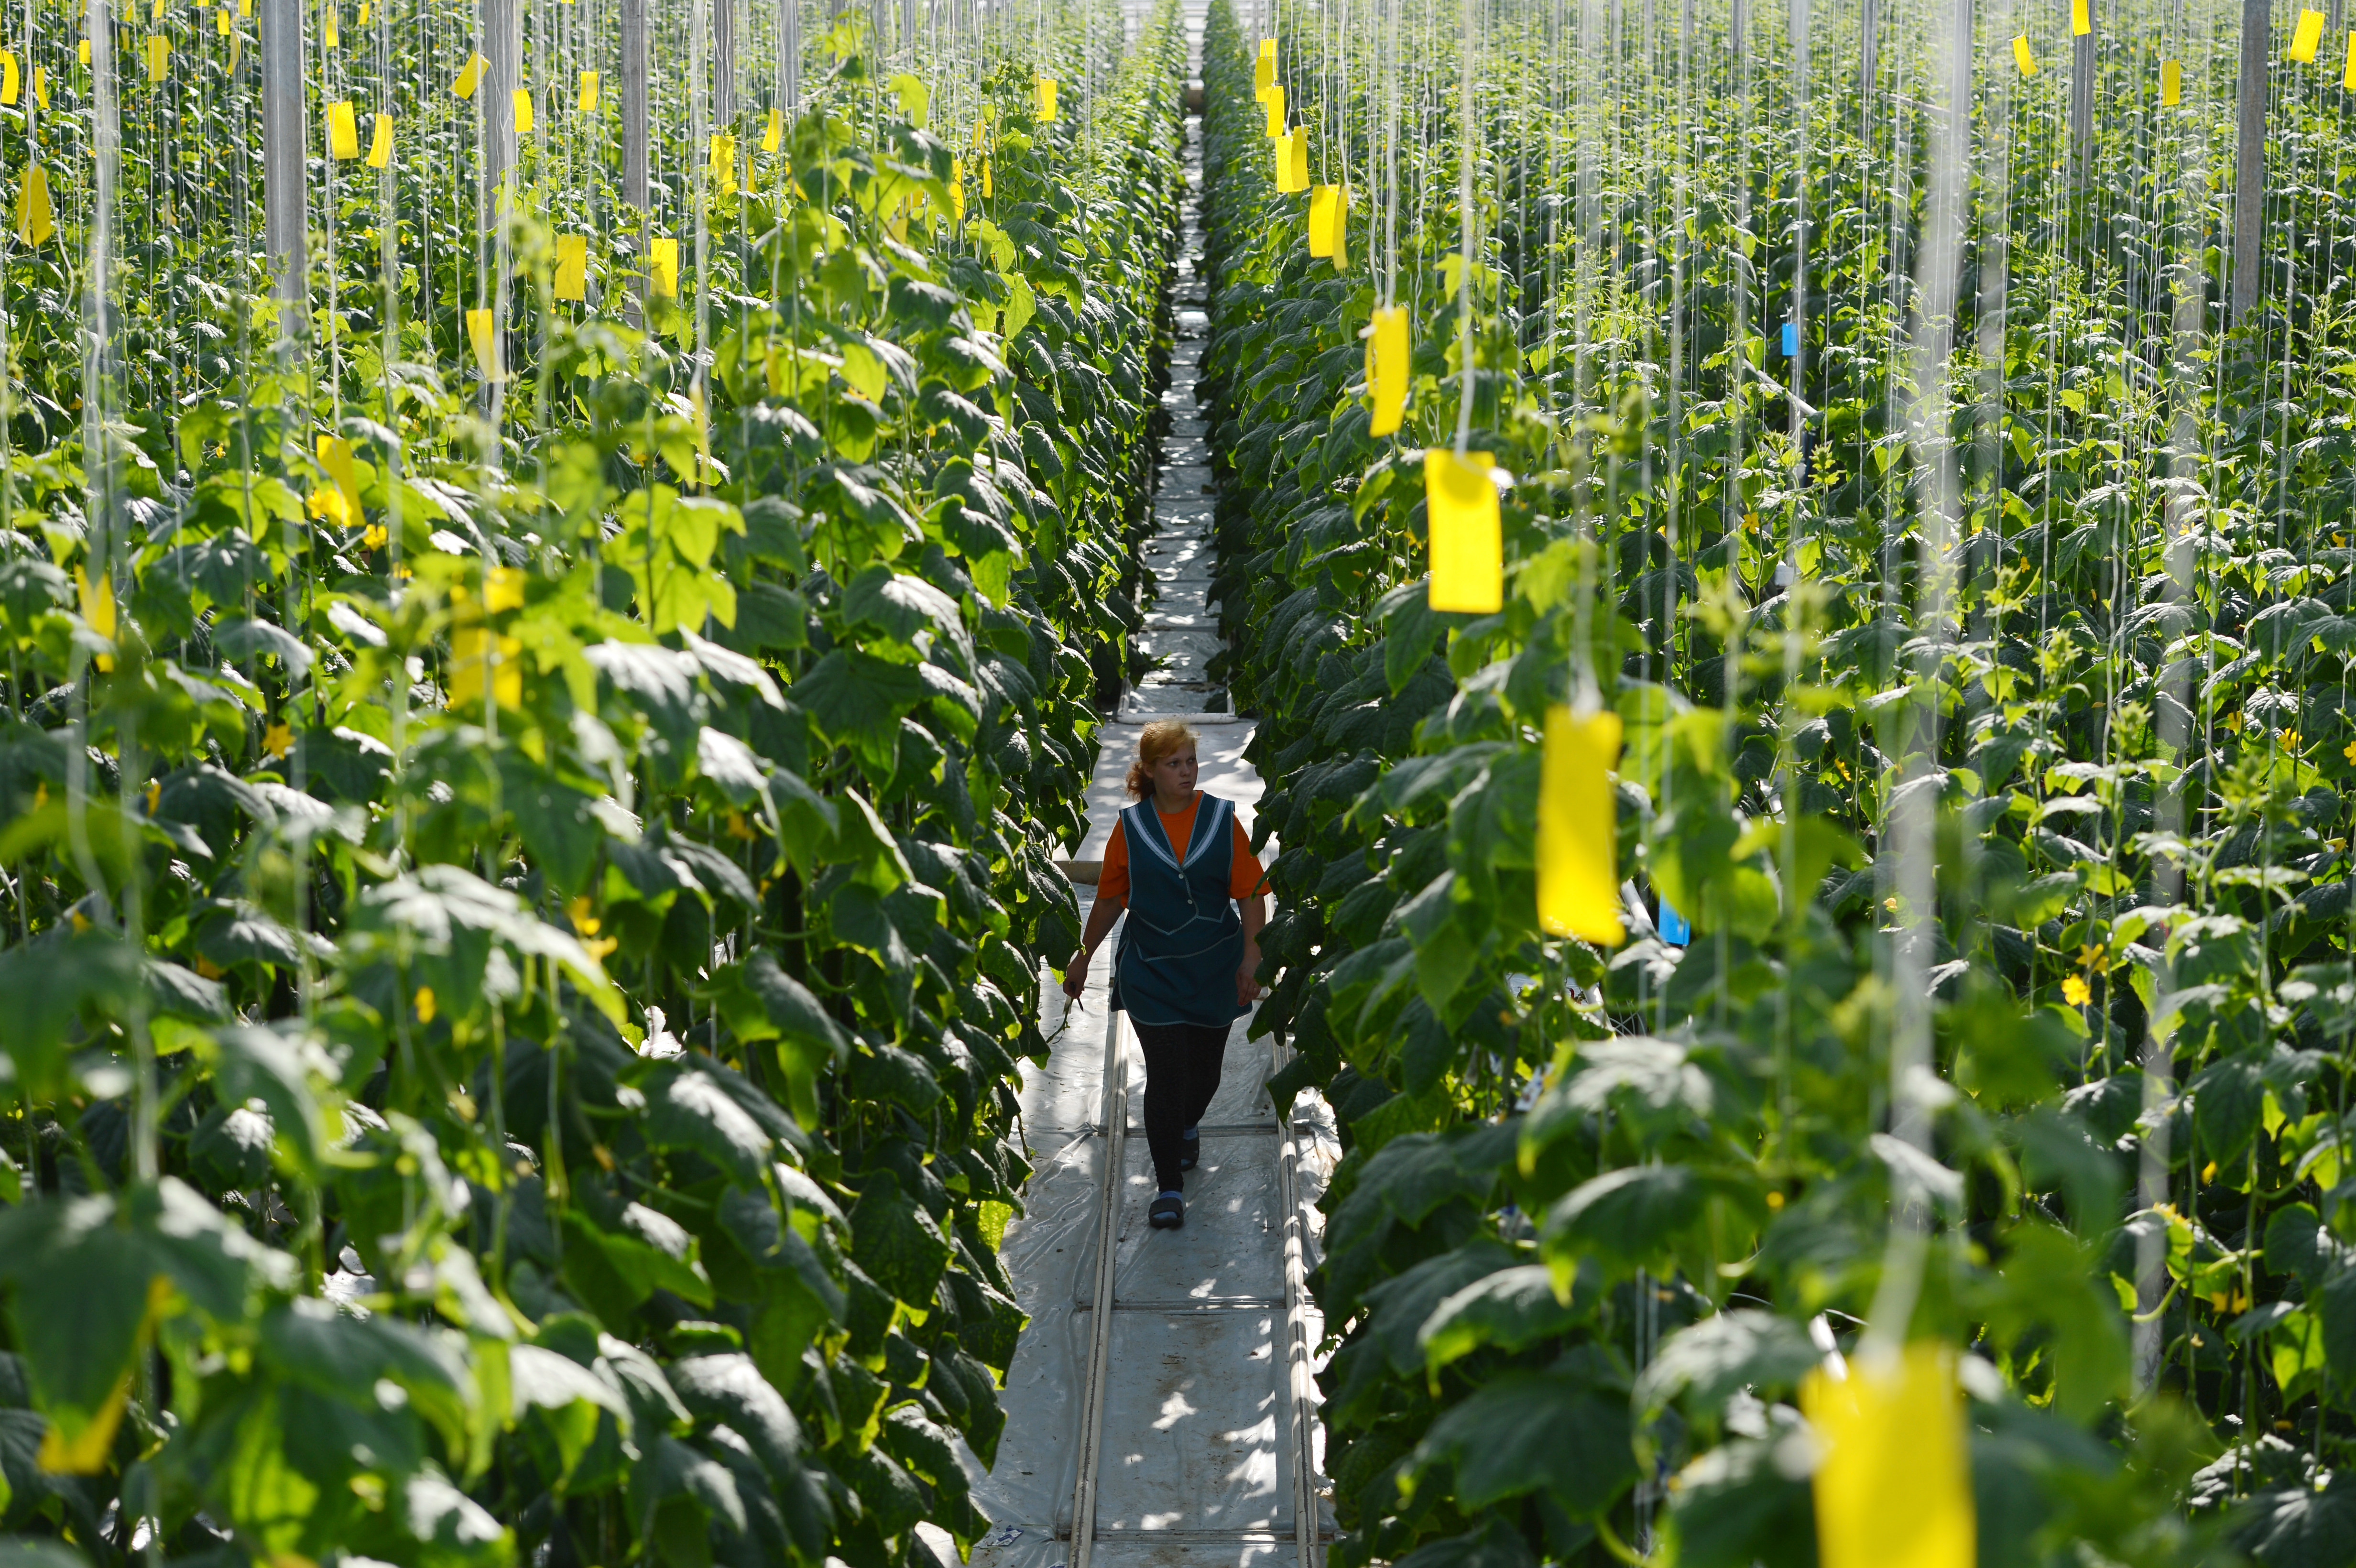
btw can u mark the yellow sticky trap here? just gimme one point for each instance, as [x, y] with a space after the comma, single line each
[588, 92]
[1268, 49]
[35, 222]
[2171, 83]
[1577, 845]
[1047, 85]
[1328, 209]
[1320, 218]
[10, 84]
[97, 608]
[336, 461]
[1467, 535]
[2081, 19]
[84, 53]
[484, 337]
[474, 665]
[380, 143]
[2348, 77]
[362, 19]
[724, 162]
[1283, 146]
[470, 76]
[222, 22]
[1263, 75]
[159, 56]
[1894, 1485]
[2022, 55]
[773, 133]
[521, 99]
[329, 36]
[572, 267]
[662, 267]
[1386, 360]
[41, 85]
[2307, 37]
[1275, 102]
[1299, 149]
[956, 188]
[985, 180]
[343, 132]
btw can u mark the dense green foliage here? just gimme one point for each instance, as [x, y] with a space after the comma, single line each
[1603, 1209]
[515, 950]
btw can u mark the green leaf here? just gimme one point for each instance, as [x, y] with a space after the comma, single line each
[2298, 1525]
[1557, 1432]
[1625, 1217]
[896, 1241]
[1511, 1309]
[730, 1389]
[1496, 1544]
[688, 1107]
[1712, 1360]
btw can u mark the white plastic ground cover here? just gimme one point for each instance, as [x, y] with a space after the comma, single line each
[1195, 1459]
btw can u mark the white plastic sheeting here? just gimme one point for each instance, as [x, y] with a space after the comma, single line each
[1195, 1466]
[1202, 1411]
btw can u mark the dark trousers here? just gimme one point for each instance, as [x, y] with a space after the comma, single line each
[1181, 1073]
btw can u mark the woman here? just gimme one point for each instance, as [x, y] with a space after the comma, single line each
[1179, 862]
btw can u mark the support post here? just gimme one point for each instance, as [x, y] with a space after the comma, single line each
[723, 64]
[502, 58]
[285, 204]
[789, 58]
[2250, 163]
[634, 104]
[1868, 56]
[2082, 91]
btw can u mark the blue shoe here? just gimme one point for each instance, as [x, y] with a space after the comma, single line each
[1168, 1212]
[1192, 1147]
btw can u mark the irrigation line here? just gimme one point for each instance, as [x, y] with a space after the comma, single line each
[1116, 1125]
[1301, 1382]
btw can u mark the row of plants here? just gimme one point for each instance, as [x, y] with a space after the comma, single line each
[519, 935]
[1606, 1210]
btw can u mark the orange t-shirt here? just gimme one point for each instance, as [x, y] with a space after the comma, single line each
[1243, 873]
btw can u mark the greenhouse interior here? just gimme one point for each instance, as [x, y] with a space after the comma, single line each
[1177, 783]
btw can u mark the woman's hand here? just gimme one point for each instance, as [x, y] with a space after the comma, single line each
[1076, 978]
[1246, 977]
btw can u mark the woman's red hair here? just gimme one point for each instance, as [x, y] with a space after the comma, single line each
[1158, 740]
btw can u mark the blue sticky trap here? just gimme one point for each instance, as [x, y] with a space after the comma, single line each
[1676, 929]
[1791, 338]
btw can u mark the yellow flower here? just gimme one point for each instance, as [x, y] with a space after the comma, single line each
[209, 969]
[578, 911]
[155, 793]
[2349, 751]
[2234, 722]
[373, 537]
[2076, 992]
[2095, 959]
[277, 741]
[2290, 741]
[425, 1004]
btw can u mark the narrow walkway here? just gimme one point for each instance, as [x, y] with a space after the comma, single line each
[1157, 1418]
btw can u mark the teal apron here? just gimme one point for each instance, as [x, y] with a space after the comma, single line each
[1180, 948]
